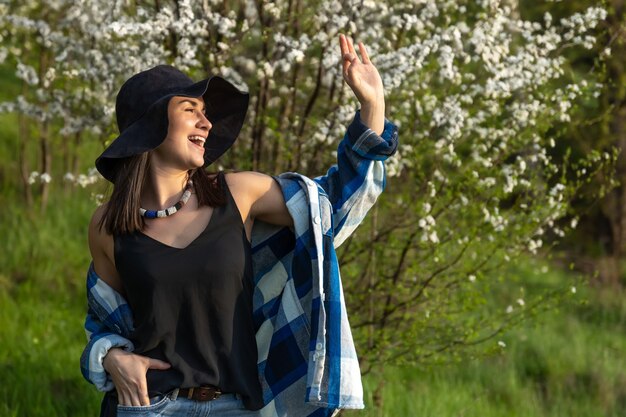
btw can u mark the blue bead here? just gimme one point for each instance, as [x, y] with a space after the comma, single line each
[151, 214]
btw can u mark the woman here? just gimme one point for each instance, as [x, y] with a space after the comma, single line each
[193, 337]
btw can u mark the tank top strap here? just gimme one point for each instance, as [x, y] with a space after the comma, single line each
[230, 200]
[221, 178]
[231, 205]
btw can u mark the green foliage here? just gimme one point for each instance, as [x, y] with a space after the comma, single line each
[42, 306]
[567, 363]
[42, 339]
[46, 250]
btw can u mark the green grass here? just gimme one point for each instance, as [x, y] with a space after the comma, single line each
[42, 305]
[39, 361]
[572, 364]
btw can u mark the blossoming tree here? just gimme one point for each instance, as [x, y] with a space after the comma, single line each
[478, 94]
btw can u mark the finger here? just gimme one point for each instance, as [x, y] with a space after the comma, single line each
[135, 398]
[344, 50]
[349, 60]
[158, 364]
[145, 400]
[136, 391]
[122, 398]
[349, 57]
[364, 55]
[343, 44]
[143, 392]
[140, 394]
[351, 47]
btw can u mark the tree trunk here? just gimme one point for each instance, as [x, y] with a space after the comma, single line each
[370, 272]
[258, 127]
[23, 159]
[609, 269]
[378, 393]
[46, 164]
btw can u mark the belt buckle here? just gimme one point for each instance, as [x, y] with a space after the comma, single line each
[207, 393]
[213, 393]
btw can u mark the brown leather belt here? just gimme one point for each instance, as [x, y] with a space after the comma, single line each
[206, 393]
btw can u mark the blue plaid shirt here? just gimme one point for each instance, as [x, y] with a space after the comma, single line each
[306, 356]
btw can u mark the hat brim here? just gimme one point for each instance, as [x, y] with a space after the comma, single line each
[226, 108]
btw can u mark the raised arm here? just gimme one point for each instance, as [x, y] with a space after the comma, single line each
[354, 183]
[358, 178]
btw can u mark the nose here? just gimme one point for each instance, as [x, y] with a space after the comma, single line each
[203, 122]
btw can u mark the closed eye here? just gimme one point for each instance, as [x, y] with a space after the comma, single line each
[204, 112]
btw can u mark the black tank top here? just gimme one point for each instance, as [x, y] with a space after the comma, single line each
[192, 307]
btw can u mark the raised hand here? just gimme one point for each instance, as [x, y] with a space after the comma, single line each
[364, 80]
[361, 76]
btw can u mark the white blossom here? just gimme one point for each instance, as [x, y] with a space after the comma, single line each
[33, 177]
[27, 73]
[45, 178]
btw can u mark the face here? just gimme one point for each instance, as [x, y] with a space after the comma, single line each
[188, 129]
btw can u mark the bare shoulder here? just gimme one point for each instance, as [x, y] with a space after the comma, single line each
[96, 234]
[243, 179]
[250, 183]
[263, 195]
[100, 242]
[247, 177]
[101, 248]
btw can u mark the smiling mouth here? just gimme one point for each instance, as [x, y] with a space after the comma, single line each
[198, 141]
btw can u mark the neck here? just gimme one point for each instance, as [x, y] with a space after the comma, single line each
[163, 188]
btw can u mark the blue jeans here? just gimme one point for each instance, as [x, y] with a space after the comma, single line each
[170, 405]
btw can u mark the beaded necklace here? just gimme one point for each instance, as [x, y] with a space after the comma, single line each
[153, 214]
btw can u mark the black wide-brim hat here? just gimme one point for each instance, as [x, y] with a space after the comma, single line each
[141, 111]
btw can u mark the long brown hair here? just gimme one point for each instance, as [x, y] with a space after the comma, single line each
[121, 213]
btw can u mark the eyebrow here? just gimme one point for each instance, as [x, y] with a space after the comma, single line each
[193, 103]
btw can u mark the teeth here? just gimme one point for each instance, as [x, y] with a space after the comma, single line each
[197, 138]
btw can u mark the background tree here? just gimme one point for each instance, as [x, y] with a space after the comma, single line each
[482, 95]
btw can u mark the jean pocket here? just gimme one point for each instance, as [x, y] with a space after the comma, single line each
[156, 404]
